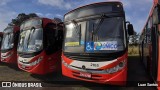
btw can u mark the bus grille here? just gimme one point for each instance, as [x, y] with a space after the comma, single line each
[89, 58]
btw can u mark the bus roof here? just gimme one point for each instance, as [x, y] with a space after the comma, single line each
[93, 4]
[36, 18]
[44, 22]
[50, 20]
[42, 18]
[15, 28]
[103, 9]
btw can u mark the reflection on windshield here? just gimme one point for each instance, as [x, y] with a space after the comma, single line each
[30, 40]
[105, 35]
[7, 42]
[29, 23]
[72, 35]
[111, 28]
[108, 37]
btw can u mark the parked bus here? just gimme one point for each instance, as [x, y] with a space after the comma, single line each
[95, 43]
[1, 37]
[39, 48]
[9, 45]
[150, 41]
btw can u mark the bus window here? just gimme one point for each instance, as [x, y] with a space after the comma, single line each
[155, 16]
[59, 39]
[50, 38]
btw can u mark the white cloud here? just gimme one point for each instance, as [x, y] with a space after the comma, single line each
[39, 14]
[6, 16]
[56, 3]
[4, 2]
[133, 3]
[48, 15]
[134, 9]
[128, 18]
[59, 15]
[139, 24]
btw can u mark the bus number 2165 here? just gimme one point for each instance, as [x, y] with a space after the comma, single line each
[94, 65]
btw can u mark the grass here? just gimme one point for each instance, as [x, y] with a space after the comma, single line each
[133, 51]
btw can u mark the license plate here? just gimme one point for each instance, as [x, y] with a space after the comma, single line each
[87, 75]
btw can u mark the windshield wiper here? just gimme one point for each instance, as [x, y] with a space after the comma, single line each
[33, 30]
[77, 28]
[29, 37]
[95, 30]
[23, 39]
[9, 38]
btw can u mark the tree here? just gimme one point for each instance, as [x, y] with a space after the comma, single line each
[22, 17]
[134, 39]
[32, 15]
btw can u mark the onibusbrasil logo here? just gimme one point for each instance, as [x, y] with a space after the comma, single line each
[21, 84]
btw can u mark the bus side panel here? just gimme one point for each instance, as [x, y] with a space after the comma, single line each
[13, 58]
[53, 62]
[36, 69]
[48, 64]
[0, 57]
[158, 74]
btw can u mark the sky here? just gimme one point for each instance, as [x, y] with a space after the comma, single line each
[136, 10]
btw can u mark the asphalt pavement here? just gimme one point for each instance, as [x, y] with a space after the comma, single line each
[55, 81]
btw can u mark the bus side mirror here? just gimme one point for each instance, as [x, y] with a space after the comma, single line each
[130, 29]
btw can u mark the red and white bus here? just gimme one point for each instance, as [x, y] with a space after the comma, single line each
[96, 43]
[9, 45]
[39, 48]
[1, 37]
[149, 48]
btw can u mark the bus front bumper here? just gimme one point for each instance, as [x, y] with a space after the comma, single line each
[117, 78]
[12, 59]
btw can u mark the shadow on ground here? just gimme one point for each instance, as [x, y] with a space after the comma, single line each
[136, 73]
[13, 66]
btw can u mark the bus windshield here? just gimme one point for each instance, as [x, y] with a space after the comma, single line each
[7, 42]
[31, 40]
[102, 35]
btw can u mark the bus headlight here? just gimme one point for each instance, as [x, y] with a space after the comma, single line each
[120, 66]
[6, 55]
[64, 63]
[37, 61]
